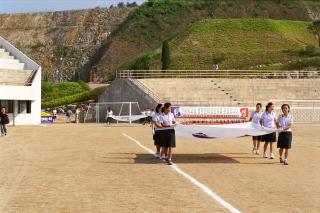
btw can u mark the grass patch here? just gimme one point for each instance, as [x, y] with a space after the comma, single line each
[78, 97]
[244, 42]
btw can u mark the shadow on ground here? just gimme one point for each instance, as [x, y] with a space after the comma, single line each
[177, 158]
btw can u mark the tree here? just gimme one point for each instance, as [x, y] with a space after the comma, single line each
[121, 5]
[315, 28]
[133, 4]
[165, 56]
[217, 59]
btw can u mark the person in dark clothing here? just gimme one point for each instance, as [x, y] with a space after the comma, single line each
[4, 120]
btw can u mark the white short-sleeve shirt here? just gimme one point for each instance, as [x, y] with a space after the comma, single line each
[285, 121]
[109, 114]
[156, 118]
[167, 119]
[269, 119]
[256, 117]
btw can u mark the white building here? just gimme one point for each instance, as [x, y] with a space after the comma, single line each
[20, 85]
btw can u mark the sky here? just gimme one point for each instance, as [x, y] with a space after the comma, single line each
[18, 6]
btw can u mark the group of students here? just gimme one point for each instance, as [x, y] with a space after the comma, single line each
[269, 119]
[163, 122]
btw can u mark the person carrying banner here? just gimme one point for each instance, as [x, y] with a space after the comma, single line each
[155, 129]
[167, 137]
[255, 118]
[285, 136]
[109, 116]
[269, 119]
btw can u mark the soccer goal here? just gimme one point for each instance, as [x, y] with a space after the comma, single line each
[122, 112]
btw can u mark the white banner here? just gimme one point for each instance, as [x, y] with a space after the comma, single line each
[210, 112]
[221, 131]
[128, 118]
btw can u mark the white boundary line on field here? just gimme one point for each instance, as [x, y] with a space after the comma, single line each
[197, 183]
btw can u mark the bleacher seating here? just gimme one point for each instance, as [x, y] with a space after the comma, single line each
[12, 71]
[232, 92]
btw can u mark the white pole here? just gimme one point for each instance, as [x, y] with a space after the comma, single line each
[97, 113]
[98, 120]
[120, 111]
[130, 112]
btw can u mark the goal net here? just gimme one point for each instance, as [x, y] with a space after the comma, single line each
[121, 112]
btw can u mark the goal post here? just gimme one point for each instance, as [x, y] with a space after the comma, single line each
[125, 111]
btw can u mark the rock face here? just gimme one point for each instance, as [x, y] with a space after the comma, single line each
[62, 42]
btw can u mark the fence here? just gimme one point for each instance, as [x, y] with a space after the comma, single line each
[264, 74]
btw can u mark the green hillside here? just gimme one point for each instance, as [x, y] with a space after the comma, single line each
[158, 20]
[244, 43]
[58, 94]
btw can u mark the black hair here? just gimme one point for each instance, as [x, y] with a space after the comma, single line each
[268, 105]
[167, 105]
[259, 104]
[158, 107]
[283, 105]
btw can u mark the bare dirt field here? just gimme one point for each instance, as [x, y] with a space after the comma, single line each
[94, 168]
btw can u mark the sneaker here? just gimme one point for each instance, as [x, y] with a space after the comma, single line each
[253, 150]
[285, 162]
[158, 155]
[163, 157]
[265, 155]
[169, 162]
[281, 160]
[271, 155]
[257, 152]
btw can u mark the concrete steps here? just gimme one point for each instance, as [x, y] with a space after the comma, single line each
[14, 77]
[233, 91]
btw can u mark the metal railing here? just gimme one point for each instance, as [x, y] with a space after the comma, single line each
[146, 90]
[263, 74]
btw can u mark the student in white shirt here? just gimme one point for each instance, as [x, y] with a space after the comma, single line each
[269, 119]
[54, 113]
[168, 138]
[255, 118]
[109, 116]
[156, 125]
[285, 136]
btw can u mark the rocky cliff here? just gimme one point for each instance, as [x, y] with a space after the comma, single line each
[62, 42]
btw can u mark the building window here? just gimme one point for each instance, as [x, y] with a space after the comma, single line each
[7, 104]
[24, 107]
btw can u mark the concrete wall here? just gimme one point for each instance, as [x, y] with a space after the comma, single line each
[16, 93]
[122, 90]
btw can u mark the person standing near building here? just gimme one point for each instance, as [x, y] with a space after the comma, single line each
[54, 114]
[255, 118]
[69, 115]
[77, 116]
[4, 121]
